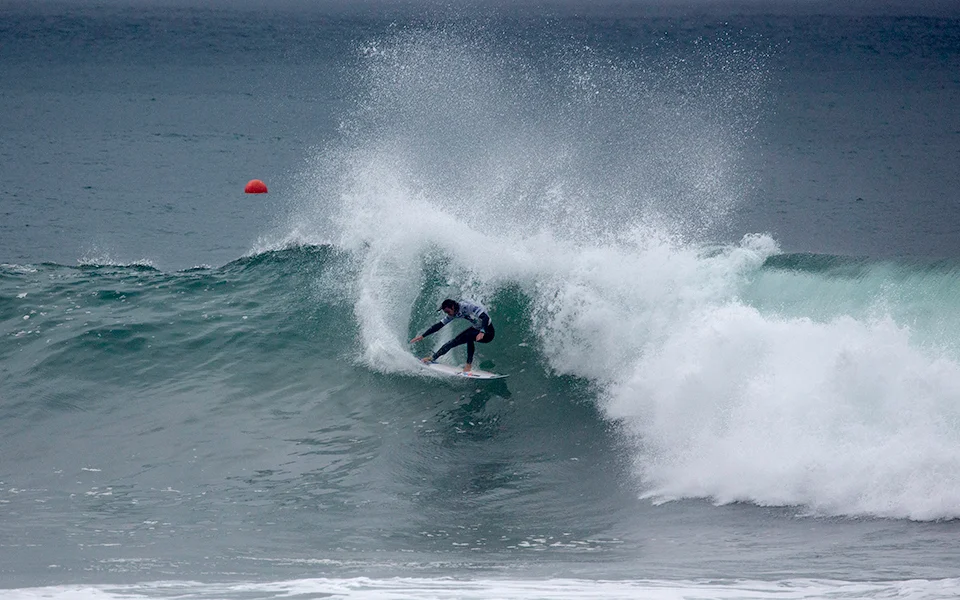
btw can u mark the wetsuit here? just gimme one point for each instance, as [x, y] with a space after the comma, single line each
[479, 320]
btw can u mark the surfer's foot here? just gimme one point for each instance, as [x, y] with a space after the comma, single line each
[427, 359]
[467, 367]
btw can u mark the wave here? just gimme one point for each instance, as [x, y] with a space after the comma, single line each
[734, 371]
[737, 373]
[718, 391]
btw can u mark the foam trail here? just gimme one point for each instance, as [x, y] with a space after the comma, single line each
[565, 589]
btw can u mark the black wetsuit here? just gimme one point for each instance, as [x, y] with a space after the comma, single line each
[480, 322]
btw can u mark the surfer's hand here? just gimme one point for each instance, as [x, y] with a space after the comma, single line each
[479, 336]
[416, 339]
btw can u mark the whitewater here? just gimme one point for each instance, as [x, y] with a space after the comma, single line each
[727, 394]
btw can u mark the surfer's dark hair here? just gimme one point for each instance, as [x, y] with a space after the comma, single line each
[448, 303]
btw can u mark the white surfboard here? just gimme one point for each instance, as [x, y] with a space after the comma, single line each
[458, 372]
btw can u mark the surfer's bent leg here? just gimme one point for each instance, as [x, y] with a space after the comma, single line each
[467, 337]
[487, 338]
[471, 347]
[488, 334]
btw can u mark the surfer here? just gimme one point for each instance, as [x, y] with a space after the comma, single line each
[481, 329]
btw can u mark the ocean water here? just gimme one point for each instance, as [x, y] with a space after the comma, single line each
[720, 242]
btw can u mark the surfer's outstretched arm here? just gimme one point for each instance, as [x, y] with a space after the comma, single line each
[432, 329]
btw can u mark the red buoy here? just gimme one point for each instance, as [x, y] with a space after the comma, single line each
[256, 187]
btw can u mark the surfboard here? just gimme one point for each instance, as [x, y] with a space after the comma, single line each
[458, 372]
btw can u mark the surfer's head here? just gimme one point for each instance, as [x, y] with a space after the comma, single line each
[450, 307]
